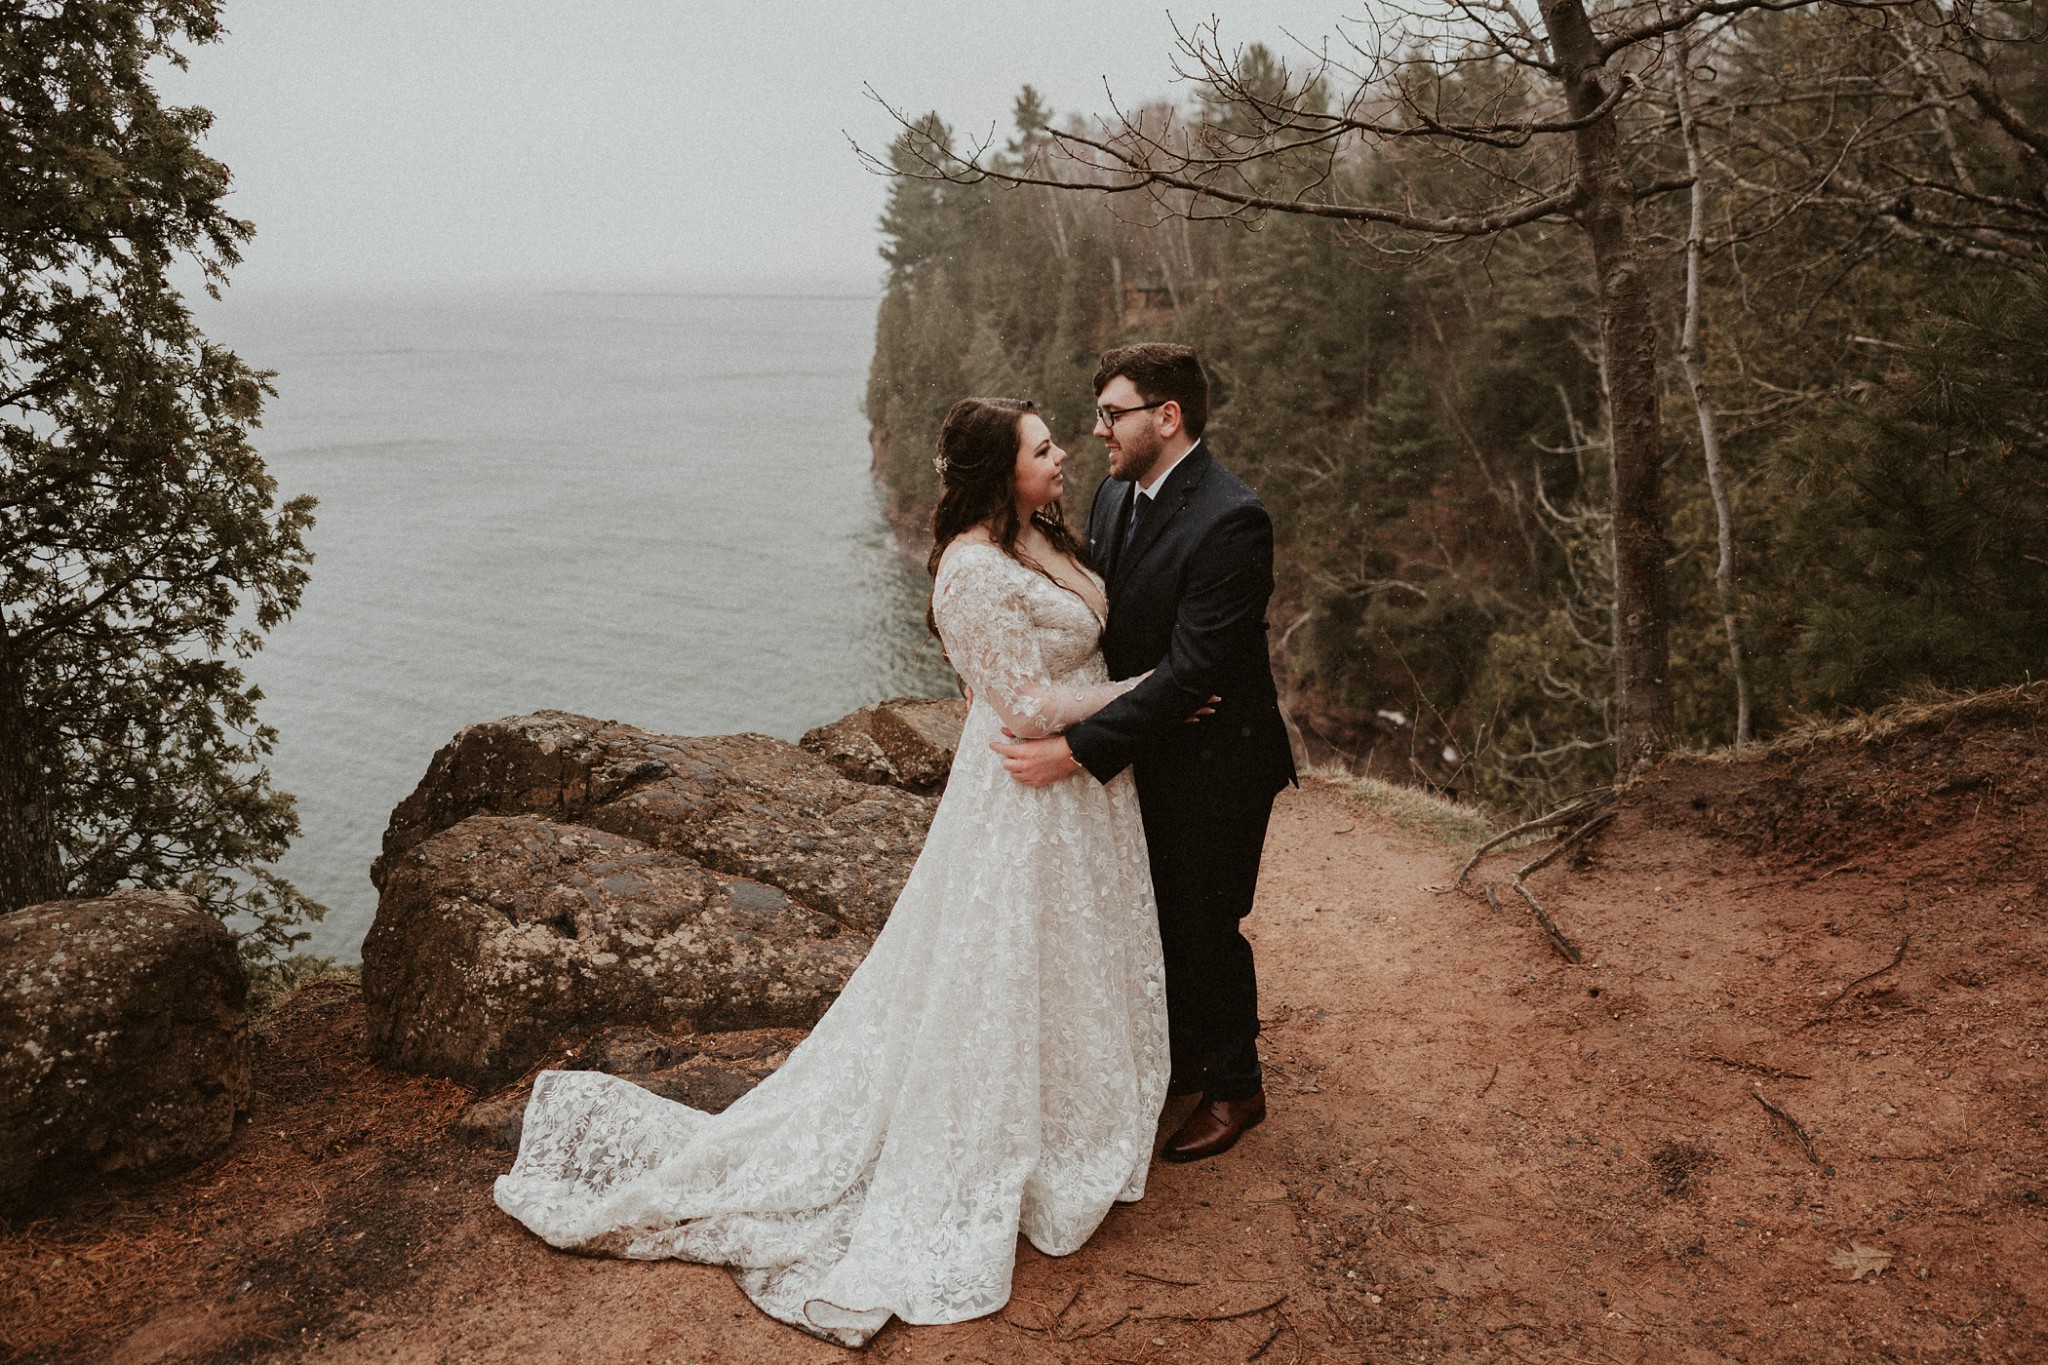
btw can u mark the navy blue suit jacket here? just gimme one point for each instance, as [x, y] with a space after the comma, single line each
[1187, 599]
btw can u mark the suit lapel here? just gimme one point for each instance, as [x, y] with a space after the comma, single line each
[1120, 552]
[1172, 497]
[1105, 526]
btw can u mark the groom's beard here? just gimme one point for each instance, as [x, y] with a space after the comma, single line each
[1134, 460]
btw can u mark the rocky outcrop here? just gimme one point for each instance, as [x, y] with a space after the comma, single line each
[554, 874]
[124, 1047]
[499, 936]
[746, 805]
[907, 742]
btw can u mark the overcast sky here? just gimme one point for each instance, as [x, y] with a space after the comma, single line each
[631, 142]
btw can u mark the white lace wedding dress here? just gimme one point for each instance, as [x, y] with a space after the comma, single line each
[995, 1066]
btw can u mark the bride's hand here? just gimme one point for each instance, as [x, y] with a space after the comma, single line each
[1201, 711]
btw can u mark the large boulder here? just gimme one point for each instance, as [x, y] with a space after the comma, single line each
[499, 936]
[124, 1046]
[906, 742]
[555, 874]
[743, 804]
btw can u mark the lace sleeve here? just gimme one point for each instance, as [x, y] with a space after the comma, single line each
[989, 635]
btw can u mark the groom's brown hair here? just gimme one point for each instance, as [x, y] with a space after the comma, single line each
[1162, 371]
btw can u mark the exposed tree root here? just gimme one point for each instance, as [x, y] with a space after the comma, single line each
[1566, 814]
[1558, 849]
[1564, 946]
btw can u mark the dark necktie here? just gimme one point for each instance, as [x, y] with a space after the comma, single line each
[1139, 502]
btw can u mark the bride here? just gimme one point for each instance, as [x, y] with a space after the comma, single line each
[997, 1064]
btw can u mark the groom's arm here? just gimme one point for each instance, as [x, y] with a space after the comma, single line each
[1229, 581]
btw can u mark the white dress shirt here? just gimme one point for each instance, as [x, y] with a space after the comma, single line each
[1151, 490]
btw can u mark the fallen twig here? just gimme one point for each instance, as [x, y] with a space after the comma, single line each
[1561, 816]
[1776, 1073]
[1160, 1279]
[1789, 1122]
[1053, 1315]
[1558, 849]
[1558, 941]
[1260, 1349]
[1897, 958]
[1489, 1082]
[1095, 1331]
[1492, 901]
[1273, 1302]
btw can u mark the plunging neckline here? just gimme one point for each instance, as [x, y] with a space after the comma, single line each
[1100, 583]
[1101, 614]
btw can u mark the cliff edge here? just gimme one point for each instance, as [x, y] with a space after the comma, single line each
[1788, 1107]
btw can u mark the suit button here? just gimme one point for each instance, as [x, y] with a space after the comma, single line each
[1244, 732]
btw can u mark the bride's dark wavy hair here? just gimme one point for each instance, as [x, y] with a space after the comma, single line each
[977, 464]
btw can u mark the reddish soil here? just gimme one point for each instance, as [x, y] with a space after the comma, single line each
[1477, 1152]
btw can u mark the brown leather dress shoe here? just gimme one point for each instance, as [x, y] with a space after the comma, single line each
[1215, 1127]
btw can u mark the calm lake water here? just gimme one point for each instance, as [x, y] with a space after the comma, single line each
[653, 508]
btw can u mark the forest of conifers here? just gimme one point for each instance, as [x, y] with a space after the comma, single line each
[1424, 416]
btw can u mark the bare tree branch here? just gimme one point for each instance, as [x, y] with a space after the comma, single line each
[2008, 118]
[1689, 15]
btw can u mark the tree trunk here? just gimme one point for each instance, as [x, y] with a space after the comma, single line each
[1696, 380]
[30, 870]
[1607, 213]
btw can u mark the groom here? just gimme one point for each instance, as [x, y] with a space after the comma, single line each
[1188, 553]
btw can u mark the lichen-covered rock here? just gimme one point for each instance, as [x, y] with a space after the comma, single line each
[906, 742]
[124, 1046]
[504, 934]
[555, 875]
[746, 805]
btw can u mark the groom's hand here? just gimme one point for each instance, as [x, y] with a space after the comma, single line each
[1038, 762]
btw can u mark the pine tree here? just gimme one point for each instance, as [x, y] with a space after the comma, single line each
[143, 553]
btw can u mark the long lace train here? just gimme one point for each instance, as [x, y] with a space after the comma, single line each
[995, 1066]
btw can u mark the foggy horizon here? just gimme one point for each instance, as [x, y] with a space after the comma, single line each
[647, 146]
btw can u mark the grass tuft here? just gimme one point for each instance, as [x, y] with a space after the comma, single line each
[1412, 808]
[274, 982]
[2027, 700]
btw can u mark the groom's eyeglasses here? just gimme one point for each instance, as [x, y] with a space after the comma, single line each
[1108, 416]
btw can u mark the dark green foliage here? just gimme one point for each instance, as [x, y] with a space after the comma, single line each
[1426, 426]
[989, 293]
[1923, 529]
[142, 548]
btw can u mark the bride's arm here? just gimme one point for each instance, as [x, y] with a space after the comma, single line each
[992, 641]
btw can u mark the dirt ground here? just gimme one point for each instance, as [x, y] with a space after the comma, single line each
[1477, 1151]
